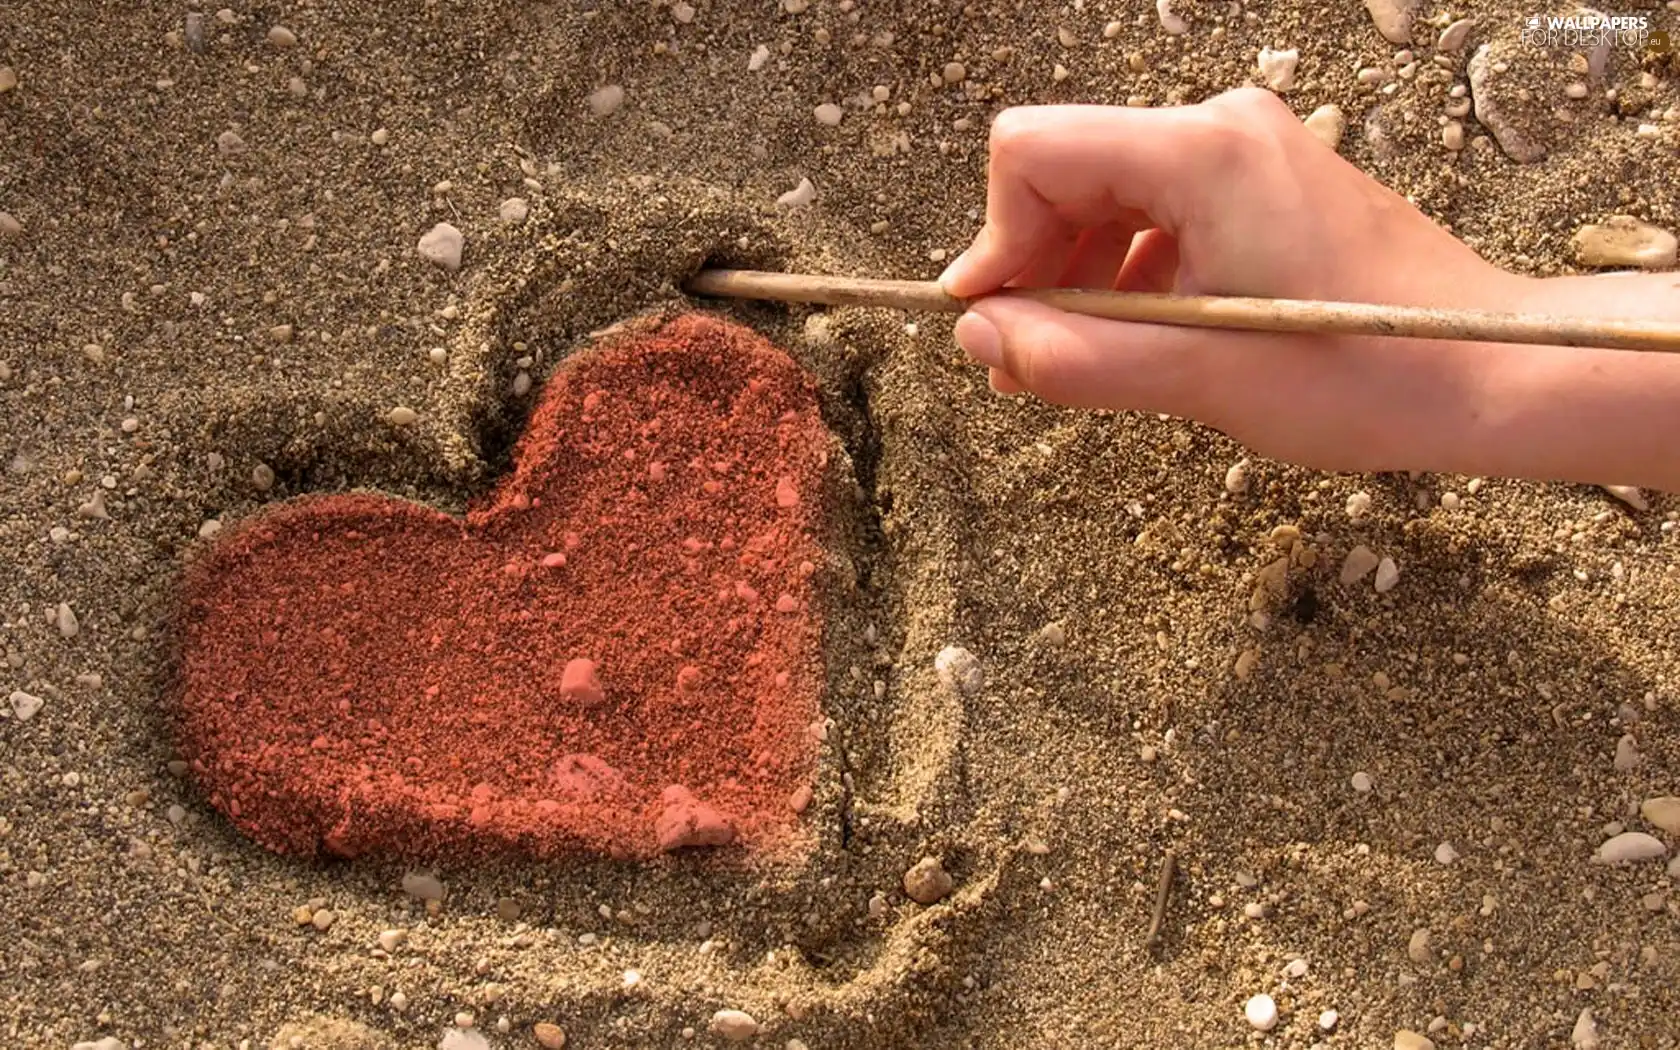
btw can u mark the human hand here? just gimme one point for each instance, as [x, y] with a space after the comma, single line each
[1230, 197]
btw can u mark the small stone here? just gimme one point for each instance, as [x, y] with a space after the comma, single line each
[1327, 1020]
[760, 55]
[193, 31]
[1393, 18]
[682, 12]
[955, 73]
[549, 1035]
[1630, 847]
[1328, 124]
[1358, 506]
[1627, 754]
[323, 918]
[1628, 494]
[1453, 37]
[10, 228]
[1171, 23]
[1584, 1036]
[462, 1039]
[513, 210]
[280, 36]
[1576, 90]
[1277, 68]
[1663, 813]
[25, 705]
[1624, 241]
[380, 136]
[1053, 634]
[401, 416]
[1452, 135]
[1490, 112]
[229, 143]
[1417, 947]
[8, 79]
[281, 333]
[736, 1026]
[1388, 574]
[68, 625]
[521, 384]
[927, 881]
[605, 101]
[685, 821]
[262, 476]
[1361, 782]
[391, 940]
[798, 197]
[398, 1001]
[1445, 854]
[1358, 564]
[959, 670]
[1236, 478]
[423, 886]
[1262, 1012]
[1296, 969]
[442, 246]
[1406, 1039]
[828, 114]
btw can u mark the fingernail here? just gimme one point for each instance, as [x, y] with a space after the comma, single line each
[980, 339]
[952, 271]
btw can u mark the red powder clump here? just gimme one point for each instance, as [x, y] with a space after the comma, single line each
[361, 674]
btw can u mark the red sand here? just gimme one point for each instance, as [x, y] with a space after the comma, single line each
[617, 652]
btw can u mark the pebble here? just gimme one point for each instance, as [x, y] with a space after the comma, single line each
[1623, 240]
[1452, 135]
[514, 209]
[828, 114]
[1327, 123]
[398, 1001]
[798, 197]
[193, 31]
[736, 1026]
[1518, 146]
[380, 136]
[1663, 813]
[1236, 479]
[68, 625]
[1627, 754]
[1393, 18]
[1296, 969]
[262, 476]
[10, 227]
[1173, 24]
[1453, 37]
[323, 918]
[1445, 854]
[229, 143]
[1361, 782]
[760, 55]
[442, 245]
[8, 79]
[1277, 68]
[280, 36]
[25, 705]
[605, 101]
[1328, 1020]
[461, 1038]
[549, 1035]
[1388, 574]
[1358, 505]
[425, 887]
[391, 940]
[110, 1042]
[682, 12]
[959, 670]
[1358, 564]
[1406, 1039]
[1630, 847]
[1584, 1036]
[1262, 1012]
[401, 416]
[955, 73]
[927, 881]
[1417, 946]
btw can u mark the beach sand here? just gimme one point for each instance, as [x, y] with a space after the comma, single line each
[175, 205]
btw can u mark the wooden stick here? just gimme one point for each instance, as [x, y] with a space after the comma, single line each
[1211, 311]
[1163, 890]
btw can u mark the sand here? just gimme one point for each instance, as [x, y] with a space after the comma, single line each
[176, 206]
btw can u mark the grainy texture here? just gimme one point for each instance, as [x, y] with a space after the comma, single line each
[1483, 696]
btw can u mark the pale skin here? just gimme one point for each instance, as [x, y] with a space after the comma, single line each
[1235, 197]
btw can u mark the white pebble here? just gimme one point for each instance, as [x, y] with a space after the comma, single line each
[514, 209]
[1358, 505]
[1327, 1020]
[1627, 754]
[959, 670]
[442, 246]
[1453, 37]
[228, 143]
[1624, 241]
[1630, 847]
[380, 136]
[391, 940]
[419, 884]
[604, 101]
[1327, 123]
[1584, 1036]
[1236, 479]
[68, 625]
[760, 55]
[1358, 564]
[25, 705]
[798, 197]
[1628, 494]
[1662, 813]
[828, 114]
[1296, 969]
[736, 1026]
[682, 12]
[1277, 68]
[460, 1038]
[10, 227]
[521, 384]
[1170, 22]
[1262, 1012]
[1388, 574]
[402, 416]
[1445, 854]
[280, 36]
[1361, 782]
[1393, 18]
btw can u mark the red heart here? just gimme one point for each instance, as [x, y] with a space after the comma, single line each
[617, 651]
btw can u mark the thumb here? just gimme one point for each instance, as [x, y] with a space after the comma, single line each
[1088, 362]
